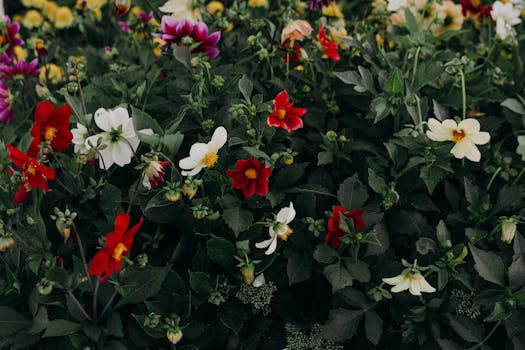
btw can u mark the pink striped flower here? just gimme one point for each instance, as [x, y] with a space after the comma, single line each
[19, 70]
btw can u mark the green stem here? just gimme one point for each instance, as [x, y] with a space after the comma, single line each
[95, 297]
[82, 255]
[110, 301]
[486, 338]
[463, 95]
[493, 177]
[419, 115]
[519, 176]
[416, 60]
[77, 303]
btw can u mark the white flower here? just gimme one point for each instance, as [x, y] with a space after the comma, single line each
[521, 147]
[204, 155]
[280, 229]
[181, 10]
[506, 16]
[119, 137]
[80, 135]
[466, 135]
[395, 5]
[413, 281]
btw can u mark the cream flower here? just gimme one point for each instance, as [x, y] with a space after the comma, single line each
[450, 15]
[181, 10]
[296, 30]
[395, 5]
[508, 228]
[80, 135]
[505, 16]
[204, 155]
[466, 136]
[259, 281]
[280, 229]
[413, 281]
[119, 137]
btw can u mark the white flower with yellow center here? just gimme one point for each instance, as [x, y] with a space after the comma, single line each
[411, 280]
[505, 16]
[465, 135]
[280, 229]
[204, 155]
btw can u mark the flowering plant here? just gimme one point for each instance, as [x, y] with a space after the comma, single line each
[258, 174]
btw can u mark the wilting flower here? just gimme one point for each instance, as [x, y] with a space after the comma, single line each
[466, 136]
[119, 137]
[279, 229]
[250, 176]
[335, 226]
[329, 47]
[474, 8]
[410, 279]
[294, 54]
[19, 70]
[6, 108]
[35, 174]
[51, 126]
[181, 10]
[315, 3]
[122, 7]
[284, 114]
[505, 16]
[118, 245]
[80, 135]
[63, 17]
[154, 173]
[450, 15]
[296, 30]
[204, 155]
[508, 228]
[187, 34]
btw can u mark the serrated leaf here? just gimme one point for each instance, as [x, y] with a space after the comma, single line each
[431, 176]
[499, 313]
[373, 327]
[246, 87]
[238, 219]
[60, 328]
[142, 284]
[232, 316]
[517, 268]
[342, 324]
[325, 254]
[488, 265]
[200, 282]
[171, 144]
[114, 325]
[220, 251]
[338, 276]
[466, 328]
[395, 84]
[352, 194]
[376, 182]
[11, 321]
[298, 268]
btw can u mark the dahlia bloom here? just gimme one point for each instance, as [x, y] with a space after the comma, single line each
[250, 176]
[329, 47]
[6, 108]
[154, 173]
[204, 155]
[475, 8]
[284, 114]
[279, 229]
[335, 226]
[9, 38]
[320, 3]
[296, 30]
[51, 126]
[19, 70]
[506, 16]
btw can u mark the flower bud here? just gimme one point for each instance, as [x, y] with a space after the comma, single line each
[508, 228]
[122, 7]
[6, 243]
[151, 320]
[189, 190]
[287, 159]
[142, 260]
[172, 196]
[45, 286]
[42, 92]
[174, 335]
[248, 273]
[331, 135]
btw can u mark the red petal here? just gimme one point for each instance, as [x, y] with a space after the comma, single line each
[293, 123]
[272, 121]
[262, 187]
[17, 156]
[249, 189]
[47, 172]
[61, 118]
[100, 262]
[281, 100]
[34, 148]
[62, 141]
[128, 237]
[20, 196]
[44, 111]
[296, 111]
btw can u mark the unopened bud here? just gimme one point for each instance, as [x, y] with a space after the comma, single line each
[174, 335]
[122, 7]
[6, 243]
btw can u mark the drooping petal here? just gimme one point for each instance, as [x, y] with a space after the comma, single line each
[393, 280]
[121, 153]
[414, 288]
[99, 264]
[425, 286]
[286, 215]
[218, 139]
[404, 284]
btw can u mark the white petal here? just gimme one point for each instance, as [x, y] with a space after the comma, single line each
[120, 116]
[121, 153]
[449, 124]
[199, 150]
[189, 162]
[414, 288]
[264, 244]
[479, 138]
[272, 247]
[437, 132]
[193, 171]
[470, 126]
[105, 160]
[425, 287]
[286, 215]
[102, 119]
[93, 140]
[259, 281]
[393, 280]
[218, 139]
[466, 148]
[133, 142]
[403, 285]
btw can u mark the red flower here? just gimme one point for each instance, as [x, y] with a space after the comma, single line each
[118, 244]
[250, 176]
[51, 126]
[285, 115]
[335, 227]
[475, 8]
[35, 174]
[329, 47]
[294, 54]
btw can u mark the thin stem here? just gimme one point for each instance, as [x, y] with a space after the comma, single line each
[135, 194]
[419, 115]
[416, 60]
[519, 176]
[65, 187]
[110, 301]
[463, 94]
[81, 95]
[486, 338]
[493, 178]
[77, 303]
[95, 296]
[82, 255]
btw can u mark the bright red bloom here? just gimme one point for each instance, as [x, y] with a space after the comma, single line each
[35, 174]
[284, 114]
[335, 227]
[329, 47]
[475, 8]
[52, 126]
[250, 176]
[118, 244]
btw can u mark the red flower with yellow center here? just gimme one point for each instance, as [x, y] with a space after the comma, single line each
[250, 176]
[335, 226]
[284, 114]
[51, 126]
[35, 174]
[118, 244]
[329, 47]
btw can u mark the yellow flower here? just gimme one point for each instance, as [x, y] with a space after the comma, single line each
[50, 9]
[215, 7]
[338, 33]
[51, 71]
[257, 3]
[77, 59]
[157, 46]
[135, 11]
[34, 3]
[333, 10]
[63, 17]
[450, 15]
[20, 53]
[32, 19]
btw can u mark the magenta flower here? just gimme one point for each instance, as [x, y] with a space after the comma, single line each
[146, 17]
[20, 69]
[124, 26]
[186, 34]
[6, 111]
[8, 38]
[315, 3]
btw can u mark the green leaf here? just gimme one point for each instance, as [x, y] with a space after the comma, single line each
[60, 328]
[171, 144]
[395, 84]
[466, 328]
[200, 282]
[517, 268]
[376, 182]
[142, 120]
[325, 254]
[232, 316]
[514, 105]
[380, 108]
[338, 276]
[359, 270]
[220, 251]
[238, 219]
[352, 194]
[246, 87]
[411, 21]
[488, 265]
[114, 325]
[325, 157]
[431, 176]
[110, 200]
[342, 324]
[373, 327]
[289, 175]
[11, 321]
[160, 210]
[362, 81]
[40, 321]
[299, 268]
[257, 153]
[182, 55]
[499, 313]
[142, 284]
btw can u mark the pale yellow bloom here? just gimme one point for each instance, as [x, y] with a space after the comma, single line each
[63, 17]
[32, 19]
[34, 3]
[51, 71]
[450, 15]
[215, 7]
[50, 9]
[257, 3]
[296, 30]
[20, 53]
[413, 281]
[333, 10]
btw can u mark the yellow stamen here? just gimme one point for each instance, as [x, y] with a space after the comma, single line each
[251, 174]
[30, 168]
[286, 234]
[281, 113]
[118, 251]
[49, 133]
[210, 159]
[458, 135]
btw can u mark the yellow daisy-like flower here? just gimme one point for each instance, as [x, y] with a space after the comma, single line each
[333, 10]
[34, 3]
[64, 17]
[215, 7]
[257, 3]
[450, 15]
[32, 19]
[20, 53]
[51, 71]
[50, 9]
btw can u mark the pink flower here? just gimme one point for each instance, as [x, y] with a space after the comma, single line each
[6, 108]
[9, 38]
[19, 70]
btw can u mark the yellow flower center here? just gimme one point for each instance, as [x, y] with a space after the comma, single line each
[49, 133]
[458, 135]
[2, 39]
[284, 236]
[30, 168]
[118, 251]
[210, 159]
[281, 113]
[251, 174]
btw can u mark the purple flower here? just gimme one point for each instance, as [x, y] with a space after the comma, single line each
[125, 27]
[8, 38]
[186, 34]
[315, 3]
[146, 17]
[6, 111]
[21, 69]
